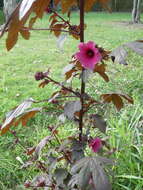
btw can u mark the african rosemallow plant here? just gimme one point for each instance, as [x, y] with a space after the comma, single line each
[80, 161]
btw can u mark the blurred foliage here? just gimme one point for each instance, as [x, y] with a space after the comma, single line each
[117, 5]
[1, 3]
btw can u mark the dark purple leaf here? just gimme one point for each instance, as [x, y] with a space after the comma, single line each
[60, 175]
[41, 145]
[136, 46]
[98, 122]
[77, 150]
[86, 75]
[71, 107]
[92, 168]
[12, 115]
[120, 54]
[41, 181]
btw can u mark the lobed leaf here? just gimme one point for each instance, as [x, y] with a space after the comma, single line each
[120, 54]
[41, 145]
[60, 175]
[30, 150]
[57, 29]
[26, 116]
[12, 115]
[71, 108]
[116, 99]
[41, 181]
[44, 83]
[56, 2]
[66, 5]
[20, 16]
[25, 33]
[64, 144]
[39, 7]
[99, 123]
[84, 176]
[75, 31]
[89, 4]
[77, 150]
[104, 4]
[101, 70]
[91, 170]
[32, 21]
[100, 179]
[69, 71]
[136, 46]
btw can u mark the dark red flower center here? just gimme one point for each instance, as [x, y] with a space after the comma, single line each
[90, 53]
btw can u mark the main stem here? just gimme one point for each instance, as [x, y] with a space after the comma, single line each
[82, 82]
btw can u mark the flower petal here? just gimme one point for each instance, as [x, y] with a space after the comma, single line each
[85, 58]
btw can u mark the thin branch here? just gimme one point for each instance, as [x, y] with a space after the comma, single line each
[64, 153]
[65, 21]
[51, 29]
[66, 97]
[42, 29]
[17, 139]
[64, 87]
[32, 186]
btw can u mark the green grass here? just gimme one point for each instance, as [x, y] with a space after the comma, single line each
[17, 83]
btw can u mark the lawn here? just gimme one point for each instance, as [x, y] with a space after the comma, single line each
[17, 83]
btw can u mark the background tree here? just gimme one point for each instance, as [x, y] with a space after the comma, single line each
[136, 11]
[8, 7]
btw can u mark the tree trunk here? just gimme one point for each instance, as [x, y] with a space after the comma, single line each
[136, 11]
[8, 8]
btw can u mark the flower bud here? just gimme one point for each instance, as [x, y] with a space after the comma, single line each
[39, 76]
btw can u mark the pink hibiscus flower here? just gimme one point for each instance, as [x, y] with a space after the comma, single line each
[88, 55]
[96, 144]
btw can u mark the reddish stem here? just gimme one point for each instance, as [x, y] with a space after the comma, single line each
[77, 94]
[82, 82]
[65, 21]
[45, 29]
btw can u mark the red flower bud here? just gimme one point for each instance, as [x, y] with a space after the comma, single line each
[39, 76]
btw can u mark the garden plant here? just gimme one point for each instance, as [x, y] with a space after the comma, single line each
[83, 160]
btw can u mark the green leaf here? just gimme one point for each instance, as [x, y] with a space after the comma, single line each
[130, 177]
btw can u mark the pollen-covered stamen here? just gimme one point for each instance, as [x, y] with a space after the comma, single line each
[90, 53]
